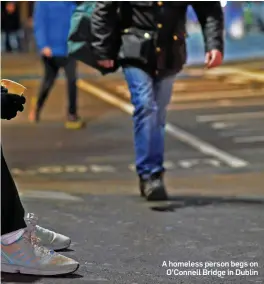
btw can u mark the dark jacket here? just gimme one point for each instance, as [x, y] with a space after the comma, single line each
[10, 22]
[152, 33]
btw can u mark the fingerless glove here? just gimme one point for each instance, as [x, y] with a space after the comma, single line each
[10, 104]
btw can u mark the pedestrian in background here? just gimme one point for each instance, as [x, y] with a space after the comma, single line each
[152, 52]
[51, 27]
[10, 26]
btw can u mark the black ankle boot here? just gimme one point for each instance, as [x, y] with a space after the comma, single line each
[142, 185]
[153, 188]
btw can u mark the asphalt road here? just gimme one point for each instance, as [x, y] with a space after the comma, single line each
[121, 239]
[82, 183]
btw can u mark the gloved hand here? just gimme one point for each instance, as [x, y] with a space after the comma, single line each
[10, 104]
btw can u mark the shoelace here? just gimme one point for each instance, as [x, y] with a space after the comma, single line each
[31, 220]
[31, 237]
[41, 249]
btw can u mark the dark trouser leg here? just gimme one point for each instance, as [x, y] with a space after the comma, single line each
[51, 70]
[18, 39]
[12, 211]
[8, 42]
[70, 72]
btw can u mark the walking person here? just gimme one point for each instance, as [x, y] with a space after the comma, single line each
[26, 248]
[152, 52]
[51, 27]
[10, 26]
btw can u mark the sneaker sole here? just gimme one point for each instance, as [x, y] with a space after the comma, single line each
[9, 268]
[157, 195]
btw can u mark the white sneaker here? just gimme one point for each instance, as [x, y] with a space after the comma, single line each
[26, 256]
[46, 237]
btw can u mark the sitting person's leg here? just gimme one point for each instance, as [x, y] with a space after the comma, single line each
[21, 242]
[12, 210]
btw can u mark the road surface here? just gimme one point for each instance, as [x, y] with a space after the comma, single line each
[83, 184]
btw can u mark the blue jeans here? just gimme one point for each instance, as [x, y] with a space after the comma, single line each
[150, 98]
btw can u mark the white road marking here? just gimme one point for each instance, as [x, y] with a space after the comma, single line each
[102, 169]
[173, 130]
[212, 162]
[16, 171]
[98, 169]
[190, 163]
[230, 116]
[205, 147]
[259, 130]
[132, 167]
[239, 126]
[54, 195]
[76, 168]
[222, 125]
[187, 164]
[249, 139]
[168, 165]
[50, 169]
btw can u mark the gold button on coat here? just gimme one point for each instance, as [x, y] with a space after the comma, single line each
[146, 35]
[159, 26]
[160, 3]
[158, 49]
[175, 37]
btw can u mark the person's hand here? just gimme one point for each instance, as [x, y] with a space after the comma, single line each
[11, 104]
[106, 63]
[46, 51]
[213, 58]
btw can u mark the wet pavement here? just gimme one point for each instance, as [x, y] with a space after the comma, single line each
[82, 183]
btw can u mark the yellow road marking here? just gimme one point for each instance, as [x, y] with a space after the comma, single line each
[254, 75]
[180, 95]
[216, 95]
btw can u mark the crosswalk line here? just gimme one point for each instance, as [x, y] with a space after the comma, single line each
[248, 139]
[230, 116]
